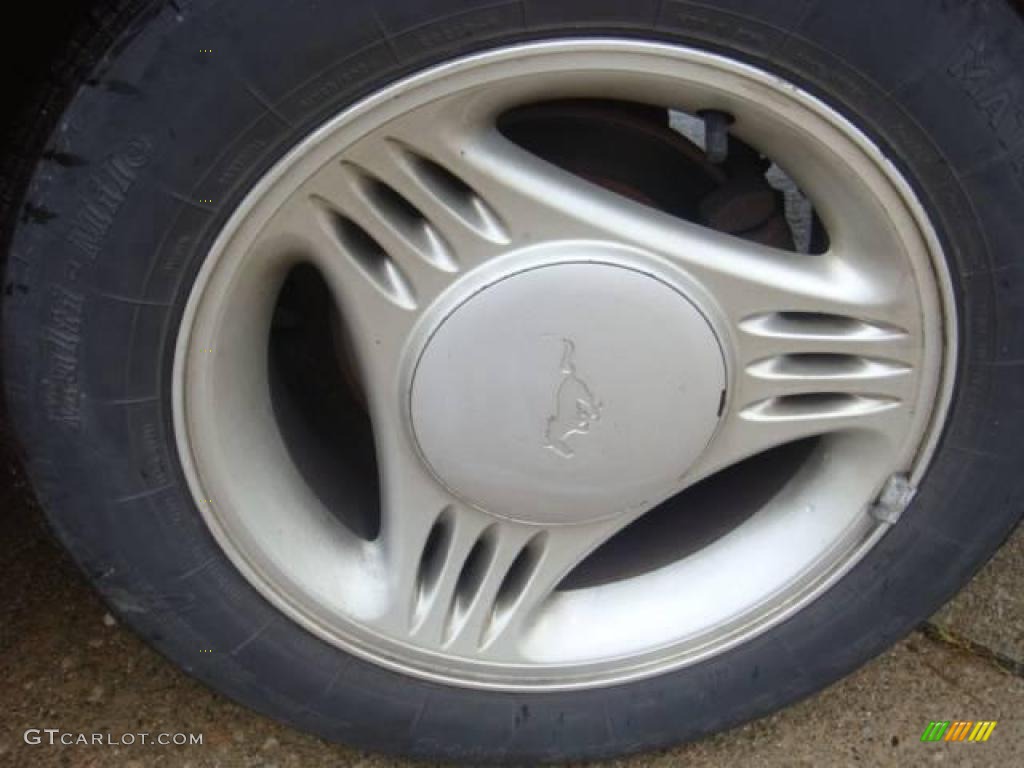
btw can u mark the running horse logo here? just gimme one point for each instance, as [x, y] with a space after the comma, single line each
[576, 408]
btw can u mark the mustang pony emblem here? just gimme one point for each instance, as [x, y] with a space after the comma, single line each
[576, 408]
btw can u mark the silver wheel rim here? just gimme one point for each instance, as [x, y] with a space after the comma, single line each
[510, 440]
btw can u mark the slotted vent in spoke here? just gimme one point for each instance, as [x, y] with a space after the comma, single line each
[455, 195]
[818, 406]
[374, 261]
[826, 385]
[815, 325]
[432, 562]
[824, 367]
[471, 578]
[514, 586]
[470, 591]
[404, 219]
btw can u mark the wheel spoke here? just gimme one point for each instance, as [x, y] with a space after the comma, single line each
[460, 576]
[421, 170]
[803, 375]
[398, 228]
[504, 197]
[544, 202]
[467, 582]
[555, 553]
[507, 195]
[356, 227]
[798, 374]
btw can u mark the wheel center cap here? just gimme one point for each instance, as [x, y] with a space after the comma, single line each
[568, 393]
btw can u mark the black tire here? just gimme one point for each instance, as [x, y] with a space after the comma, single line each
[105, 248]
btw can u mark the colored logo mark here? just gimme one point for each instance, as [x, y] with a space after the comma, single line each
[958, 730]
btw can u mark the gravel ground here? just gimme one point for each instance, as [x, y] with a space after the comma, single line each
[67, 664]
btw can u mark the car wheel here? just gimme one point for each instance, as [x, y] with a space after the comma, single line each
[528, 381]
